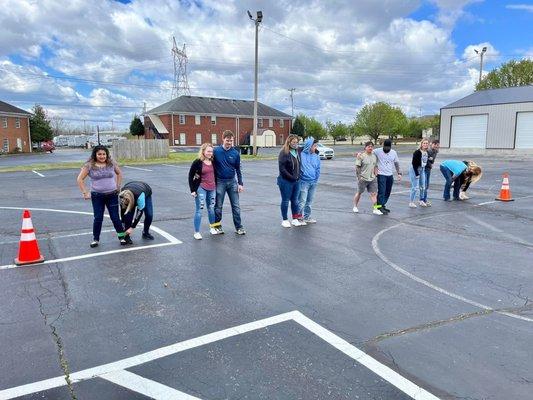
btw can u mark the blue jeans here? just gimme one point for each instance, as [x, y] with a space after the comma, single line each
[417, 183]
[447, 186]
[290, 191]
[306, 196]
[100, 202]
[230, 187]
[424, 196]
[204, 198]
[148, 216]
[385, 183]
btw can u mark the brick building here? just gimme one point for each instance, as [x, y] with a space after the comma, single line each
[193, 120]
[14, 128]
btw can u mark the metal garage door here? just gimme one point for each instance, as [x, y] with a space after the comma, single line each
[524, 130]
[469, 131]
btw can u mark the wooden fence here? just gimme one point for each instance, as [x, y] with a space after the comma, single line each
[142, 149]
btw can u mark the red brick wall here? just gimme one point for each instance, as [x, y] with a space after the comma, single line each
[12, 133]
[190, 129]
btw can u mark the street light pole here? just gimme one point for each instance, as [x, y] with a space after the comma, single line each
[292, 101]
[257, 21]
[481, 54]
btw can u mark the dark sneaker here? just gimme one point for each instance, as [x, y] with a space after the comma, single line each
[385, 209]
[220, 230]
[94, 244]
[240, 231]
[147, 236]
[123, 241]
[128, 239]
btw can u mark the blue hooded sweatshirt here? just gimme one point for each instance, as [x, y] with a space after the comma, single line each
[310, 167]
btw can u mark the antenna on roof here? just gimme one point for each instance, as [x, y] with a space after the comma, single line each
[180, 85]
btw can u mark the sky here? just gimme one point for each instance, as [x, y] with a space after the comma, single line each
[99, 62]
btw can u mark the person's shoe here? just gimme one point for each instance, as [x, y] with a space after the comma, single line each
[128, 239]
[447, 199]
[123, 241]
[355, 209]
[240, 231]
[428, 203]
[286, 223]
[213, 231]
[422, 203]
[412, 205]
[463, 196]
[94, 244]
[220, 230]
[295, 222]
[376, 211]
[302, 221]
[310, 221]
[197, 236]
[148, 236]
[383, 208]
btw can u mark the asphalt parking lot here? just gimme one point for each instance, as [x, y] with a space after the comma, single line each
[421, 303]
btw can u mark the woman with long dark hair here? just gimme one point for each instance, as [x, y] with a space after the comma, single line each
[106, 178]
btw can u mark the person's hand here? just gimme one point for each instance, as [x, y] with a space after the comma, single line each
[129, 231]
[399, 177]
[86, 195]
[240, 188]
[194, 194]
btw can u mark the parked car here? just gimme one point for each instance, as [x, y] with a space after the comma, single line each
[325, 152]
[48, 146]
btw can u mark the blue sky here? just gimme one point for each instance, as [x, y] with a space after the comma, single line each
[115, 56]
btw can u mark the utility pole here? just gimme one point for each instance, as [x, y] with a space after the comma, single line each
[292, 101]
[98, 134]
[481, 54]
[257, 21]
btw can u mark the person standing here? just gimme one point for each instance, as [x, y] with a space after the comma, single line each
[366, 171]
[135, 200]
[387, 162]
[433, 150]
[417, 173]
[289, 164]
[106, 179]
[202, 184]
[452, 170]
[309, 175]
[227, 164]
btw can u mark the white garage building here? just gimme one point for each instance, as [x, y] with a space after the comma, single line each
[500, 119]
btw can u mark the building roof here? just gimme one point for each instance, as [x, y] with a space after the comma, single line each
[517, 94]
[212, 105]
[8, 108]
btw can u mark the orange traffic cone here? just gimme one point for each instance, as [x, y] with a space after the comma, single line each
[28, 247]
[505, 192]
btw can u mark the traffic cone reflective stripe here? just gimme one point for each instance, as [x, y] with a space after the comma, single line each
[29, 252]
[505, 191]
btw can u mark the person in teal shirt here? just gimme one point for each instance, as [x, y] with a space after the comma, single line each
[452, 170]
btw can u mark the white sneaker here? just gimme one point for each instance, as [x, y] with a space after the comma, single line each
[197, 236]
[463, 196]
[310, 221]
[213, 231]
[302, 222]
[295, 222]
[412, 205]
[286, 223]
[422, 204]
[355, 209]
[376, 211]
[428, 203]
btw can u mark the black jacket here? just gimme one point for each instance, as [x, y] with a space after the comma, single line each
[195, 174]
[289, 166]
[138, 187]
[417, 161]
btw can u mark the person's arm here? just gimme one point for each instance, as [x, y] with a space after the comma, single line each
[192, 173]
[239, 172]
[318, 170]
[138, 215]
[283, 167]
[358, 172]
[118, 173]
[397, 166]
[81, 183]
[417, 161]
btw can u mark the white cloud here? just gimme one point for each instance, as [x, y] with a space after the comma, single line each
[525, 7]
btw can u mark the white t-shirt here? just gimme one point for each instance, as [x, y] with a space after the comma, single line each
[386, 161]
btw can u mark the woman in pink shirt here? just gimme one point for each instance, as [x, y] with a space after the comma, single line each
[203, 188]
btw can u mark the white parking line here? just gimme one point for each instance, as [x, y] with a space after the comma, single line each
[35, 172]
[140, 169]
[114, 369]
[64, 236]
[170, 165]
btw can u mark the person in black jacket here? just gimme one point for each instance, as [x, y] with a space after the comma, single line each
[202, 183]
[417, 174]
[289, 181]
[135, 200]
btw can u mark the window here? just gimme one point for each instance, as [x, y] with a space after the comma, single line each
[198, 138]
[213, 138]
[6, 145]
[182, 119]
[271, 122]
[19, 143]
[183, 138]
[176, 141]
[4, 122]
[281, 123]
[260, 122]
[197, 119]
[17, 122]
[213, 119]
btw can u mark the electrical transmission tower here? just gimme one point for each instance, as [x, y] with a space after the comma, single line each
[180, 85]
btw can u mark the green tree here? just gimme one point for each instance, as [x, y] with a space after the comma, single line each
[337, 130]
[298, 127]
[40, 129]
[136, 127]
[353, 132]
[379, 119]
[512, 73]
[312, 127]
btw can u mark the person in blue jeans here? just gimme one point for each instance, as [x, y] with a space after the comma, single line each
[227, 163]
[387, 162]
[452, 170]
[417, 173]
[309, 174]
[433, 150]
[289, 181]
[106, 179]
[135, 200]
